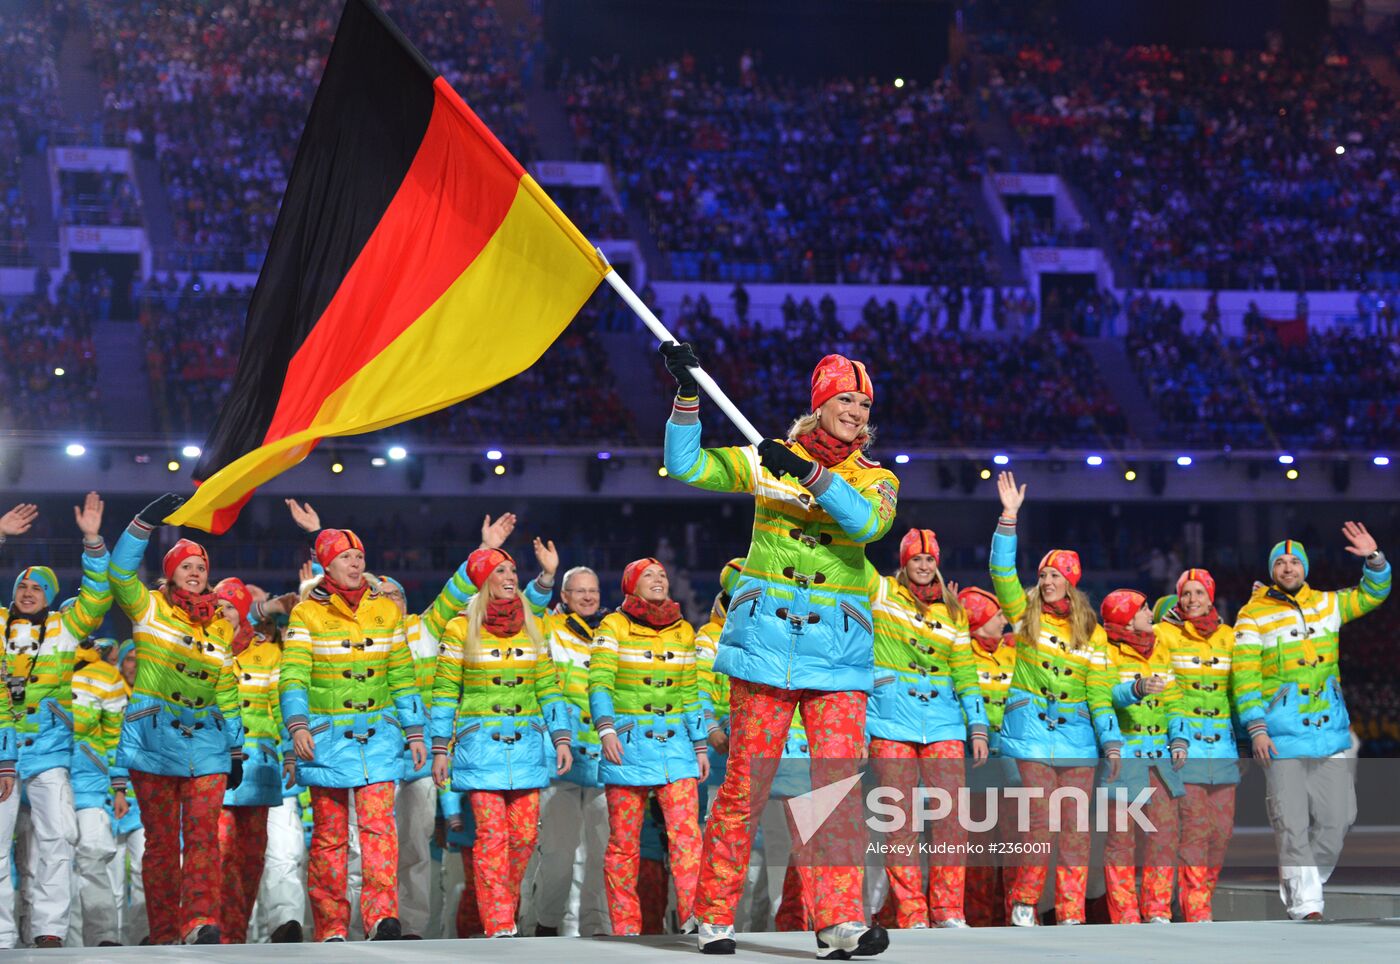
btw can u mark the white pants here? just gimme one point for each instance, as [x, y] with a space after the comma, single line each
[451, 887]
[282, 894]
[354, 876]
[415, 810]
[96, 902]
[1312, 805]
[48, 835]
[9, 811]
[566, 874]
[128, 886]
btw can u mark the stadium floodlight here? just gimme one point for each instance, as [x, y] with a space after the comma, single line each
[1341, 150]
[1130, 476]
[901, 459]
[172, 466]
[899, 82]
[1001, 459]
[493, 455]
[985, 474]
[500, 470]
[1184, 461]
[191, 451]
[1095, 460]
[398, 453]
[59, 372]
[75, 449]
[1292, 474]
[337, 468]
[1381, 460]
[604, 456]
[378, 461]
[1285, 459]
[662, 472]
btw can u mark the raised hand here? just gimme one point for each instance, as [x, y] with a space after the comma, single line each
[306, 573]
[304, 516]
[680, 358]
[494, 534]
[17, 521]
[1011, 497]
[1362, 542]
[154, 514]
[547, 556]
[89, 516]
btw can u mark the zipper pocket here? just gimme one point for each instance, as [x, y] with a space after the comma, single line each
[1018, 704]
[851, 613]
[1280, 698]
[884, 680]
[320, 728]
[100, 763]
[749, 595]
[141, 714]
[61, 716]
[622, 728]
[469, 728]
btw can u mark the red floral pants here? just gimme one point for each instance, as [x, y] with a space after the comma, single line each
[179, 810]
[652, 892]
[507, 825]
[907, 766]
[330, 857]
[1207, 820]
[242, 846]
[758, 727]
[680, 806]
[1072, 874]
[1158, 862]
[468, 913]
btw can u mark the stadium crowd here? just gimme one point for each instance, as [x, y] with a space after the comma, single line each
[49, 379]
[766, 180]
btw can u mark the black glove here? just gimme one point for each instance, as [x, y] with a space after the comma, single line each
[154, 514]
[781, 460]
[679, 359]
[235, 772]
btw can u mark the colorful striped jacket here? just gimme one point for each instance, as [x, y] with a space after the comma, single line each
[99, 701]
[994, 671]
[642, 685]
[341, 670]
[183, 718]
[713, 687]
[1202, 666]
[800, 616]
[39, 665]
[926, 687]
[497, 710]
[570, 644]
[424, 633]
[1285, 679]
[1060, 705]
[1151, 724]
[257, 668]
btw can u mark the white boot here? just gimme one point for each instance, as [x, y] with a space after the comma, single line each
[716, 938]
[841, 942]
[1023, 915]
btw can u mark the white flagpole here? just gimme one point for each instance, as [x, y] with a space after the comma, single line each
[702, 378]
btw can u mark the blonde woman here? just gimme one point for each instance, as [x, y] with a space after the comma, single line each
[500, 728]
[1059, 711]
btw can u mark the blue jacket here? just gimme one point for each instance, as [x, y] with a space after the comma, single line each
[800, 616]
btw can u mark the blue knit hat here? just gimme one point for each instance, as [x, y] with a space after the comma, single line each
[44, 576]
[396, 584]
[1288, 547]
[128, 647]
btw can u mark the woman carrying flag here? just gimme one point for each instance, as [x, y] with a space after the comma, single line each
[182, 739]
[798, 632]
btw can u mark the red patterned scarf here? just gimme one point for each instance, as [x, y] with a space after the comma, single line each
[242, 635]
[653, 614]
[1060, 607]
[504, 617]
[201, 607]
[352, 597]
[827, 448]
[928, 595]
[995, 643]
[1123, 636]
[1204, 624]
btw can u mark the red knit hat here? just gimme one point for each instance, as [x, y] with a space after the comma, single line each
[332, 542]
[178, 553]
[483, 562]
[1197, 575]
[918, 542]
[981, 606]
[634, 571]
[1064, 561]
[236, 594]
[1120, 606]
[835, 374]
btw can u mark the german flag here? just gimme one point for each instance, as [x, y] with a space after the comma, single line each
[414, 264]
